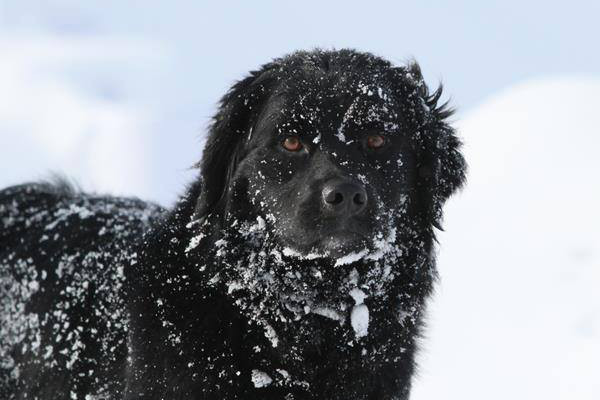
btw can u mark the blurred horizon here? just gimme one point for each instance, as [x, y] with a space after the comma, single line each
[162, 67]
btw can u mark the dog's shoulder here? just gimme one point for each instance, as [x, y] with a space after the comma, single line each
[62, 259]
[57, 209]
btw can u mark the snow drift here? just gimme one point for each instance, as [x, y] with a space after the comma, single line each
[517, 313]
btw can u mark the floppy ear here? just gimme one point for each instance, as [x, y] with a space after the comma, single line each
[229, 129]
[442, 168]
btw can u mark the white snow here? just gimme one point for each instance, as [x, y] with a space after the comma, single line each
[284, 373]
[289, 252]
[517, 313]
[358, 296]
[271, 334]
[340, 133]
[328, 313]
[261, 379]
[359, 317]
[258, 226]
[194, 242]
[352, 257]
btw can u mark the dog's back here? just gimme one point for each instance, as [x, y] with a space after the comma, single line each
[62, 321]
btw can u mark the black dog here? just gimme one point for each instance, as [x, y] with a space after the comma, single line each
[296, 267]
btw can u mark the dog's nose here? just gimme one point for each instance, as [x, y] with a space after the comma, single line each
[344, 198]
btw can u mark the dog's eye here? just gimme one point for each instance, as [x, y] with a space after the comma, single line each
[375, 141]
[292, 143]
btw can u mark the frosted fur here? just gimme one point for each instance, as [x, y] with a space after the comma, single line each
[254, 286]
[93, 273]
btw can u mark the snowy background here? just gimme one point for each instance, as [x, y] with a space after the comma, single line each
[117, 96]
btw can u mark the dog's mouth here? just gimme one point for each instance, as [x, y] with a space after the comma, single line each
[340, 243]
[328, 238]
[344, 246]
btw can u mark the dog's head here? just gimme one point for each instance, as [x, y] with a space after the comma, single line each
[334, 149]
[322, 179]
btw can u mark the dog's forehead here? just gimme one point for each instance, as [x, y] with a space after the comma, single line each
[322, 106]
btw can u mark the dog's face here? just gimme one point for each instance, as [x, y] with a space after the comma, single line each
[334, 156]
[323, 176]
[330, 165]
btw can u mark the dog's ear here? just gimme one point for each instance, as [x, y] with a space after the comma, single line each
[230, 127]
[442, 167]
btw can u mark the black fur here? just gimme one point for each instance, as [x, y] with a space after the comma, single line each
[251, 287]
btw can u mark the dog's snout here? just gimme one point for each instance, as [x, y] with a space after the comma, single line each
[344, 198]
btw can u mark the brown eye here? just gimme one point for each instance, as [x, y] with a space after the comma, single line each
[375, 141]
[292, 143]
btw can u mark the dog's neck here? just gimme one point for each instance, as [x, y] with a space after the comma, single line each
[354, 321]
[300, 325]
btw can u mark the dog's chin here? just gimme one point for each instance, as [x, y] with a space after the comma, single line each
[333, 245]
[340, 244]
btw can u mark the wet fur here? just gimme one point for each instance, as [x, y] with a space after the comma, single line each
[151, 311]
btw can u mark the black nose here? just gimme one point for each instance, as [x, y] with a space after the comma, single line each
[344, 198]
